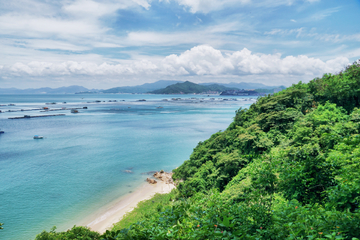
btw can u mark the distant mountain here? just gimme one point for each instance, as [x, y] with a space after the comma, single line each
[144, 88]
[147, 87]
[245, 85]
[61, 90]
[189, 87]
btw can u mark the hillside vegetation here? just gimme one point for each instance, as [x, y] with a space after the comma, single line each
[286, 168]
[189, 87]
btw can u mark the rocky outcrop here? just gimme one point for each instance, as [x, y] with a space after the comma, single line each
[164, 176]
[151, 181]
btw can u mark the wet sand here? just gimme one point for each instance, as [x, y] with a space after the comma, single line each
[105, 218]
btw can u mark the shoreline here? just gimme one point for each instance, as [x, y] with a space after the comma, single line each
[104, 218]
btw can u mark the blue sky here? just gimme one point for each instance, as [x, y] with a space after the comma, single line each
[110, 43]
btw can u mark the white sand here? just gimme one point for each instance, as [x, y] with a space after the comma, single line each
[105, 219]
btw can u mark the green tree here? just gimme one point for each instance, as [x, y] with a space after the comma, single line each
[76, 232]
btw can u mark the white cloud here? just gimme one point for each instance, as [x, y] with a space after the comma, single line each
[67, 20]
[144, 3]
[44, 27]
[206, 6]
[215, 35]
[68, 25]
[322, 14]
[30, 28]
[302, 32]
[90, 9]
[51, 44]
[201, 60]
[284, 32]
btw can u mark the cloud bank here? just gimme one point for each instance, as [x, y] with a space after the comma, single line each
[202, 60]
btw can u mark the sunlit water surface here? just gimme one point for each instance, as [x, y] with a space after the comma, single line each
[81, 163]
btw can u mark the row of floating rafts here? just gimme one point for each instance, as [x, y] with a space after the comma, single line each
[73, 110]
[3, 105]
[98, 101]
[53, 103]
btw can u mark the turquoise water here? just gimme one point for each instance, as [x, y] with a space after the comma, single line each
[81, 163]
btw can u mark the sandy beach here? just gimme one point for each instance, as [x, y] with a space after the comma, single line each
[104, 220]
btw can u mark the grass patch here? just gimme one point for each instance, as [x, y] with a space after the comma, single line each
[144, 209]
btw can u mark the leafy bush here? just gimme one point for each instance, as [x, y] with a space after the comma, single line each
[79, 232]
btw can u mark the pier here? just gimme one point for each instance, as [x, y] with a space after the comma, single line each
[28, 116]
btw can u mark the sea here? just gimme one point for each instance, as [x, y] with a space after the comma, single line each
[88, 159]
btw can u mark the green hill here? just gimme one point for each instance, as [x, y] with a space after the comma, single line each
[189, 87]
[286, 168]
[144, 88]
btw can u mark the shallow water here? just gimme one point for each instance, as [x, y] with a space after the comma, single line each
[81, 163]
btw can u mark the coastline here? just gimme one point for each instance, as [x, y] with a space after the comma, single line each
[105, 218]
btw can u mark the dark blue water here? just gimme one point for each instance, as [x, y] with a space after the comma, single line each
[81, 163]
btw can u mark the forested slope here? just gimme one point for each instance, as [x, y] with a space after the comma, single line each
[286, 168]
[189, 88]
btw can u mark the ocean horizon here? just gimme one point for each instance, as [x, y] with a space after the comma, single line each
[91, 158]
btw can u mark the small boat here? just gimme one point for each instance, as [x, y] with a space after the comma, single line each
[74, 111]
[1, 131]
[38, 137]
[159, 107]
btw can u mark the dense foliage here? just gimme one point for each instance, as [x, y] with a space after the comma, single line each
[269, 90]
[286, 168]
[74, 233]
